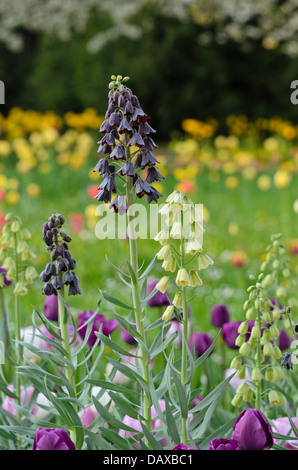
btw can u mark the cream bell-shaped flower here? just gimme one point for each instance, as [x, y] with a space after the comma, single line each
[204, 261]
[163, 284]
[194, 279]
[193, 215]
[163, 237]
[168, 313]
[192, 247]
[177, 302]
[176, 231]
[165, 253]
[182, 278]
[176, 197]
[191, 231]
[169, 265]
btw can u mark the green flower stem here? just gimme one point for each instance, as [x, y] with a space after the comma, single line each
[17, 338]
[7, 338]
[17, 327]
[63, 324]
[133, 248]
[258, 365]
[184, 347]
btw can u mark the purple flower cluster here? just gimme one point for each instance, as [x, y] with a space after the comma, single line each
[59, 271]
[125, 126]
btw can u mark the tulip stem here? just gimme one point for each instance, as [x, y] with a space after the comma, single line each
[184, 347]
[63, 325]
[133, 248]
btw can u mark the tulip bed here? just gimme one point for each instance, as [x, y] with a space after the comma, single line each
[176, 342]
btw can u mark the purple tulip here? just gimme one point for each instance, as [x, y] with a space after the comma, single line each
[3, 271]
[159, 299]
[88, 415]
[230, 333]
[52, 439]
[223, 444]
[51, 307]
[127, 337]
[252, 430]
[284, 340]
[108, 326]
[182, 447]
[219, 315]
[202, 342]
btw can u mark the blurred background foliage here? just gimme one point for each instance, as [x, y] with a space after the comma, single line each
[185, 58]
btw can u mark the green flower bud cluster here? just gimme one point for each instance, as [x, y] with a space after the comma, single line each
[15, 254]
[181, 251]
[276, 264]
[259, 342]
